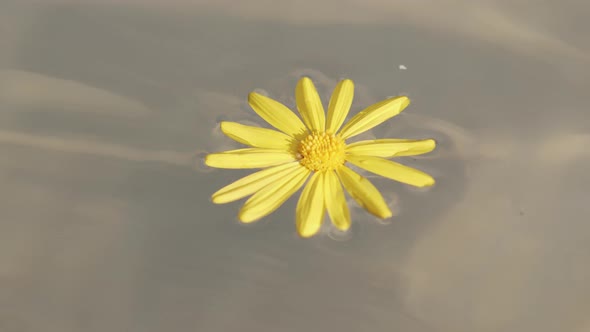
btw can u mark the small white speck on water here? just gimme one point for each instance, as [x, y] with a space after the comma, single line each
[402, 67]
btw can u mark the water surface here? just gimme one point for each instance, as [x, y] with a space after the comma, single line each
[105, 218]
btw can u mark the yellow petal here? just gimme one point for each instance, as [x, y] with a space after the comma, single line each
[248, 158]
[310, 105]
[335, 201]
[391, 147]
[339, 105]
[363, 192]
[310, 208]
[252, 183]
[257, 137]
[392, 170]
[276, 114]
[374, 115]
[272, 196]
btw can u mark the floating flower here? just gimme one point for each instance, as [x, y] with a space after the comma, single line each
[315, 147]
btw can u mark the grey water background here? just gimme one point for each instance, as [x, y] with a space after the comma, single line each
[105, 218]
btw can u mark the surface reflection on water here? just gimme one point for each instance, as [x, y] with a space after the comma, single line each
[106, 221]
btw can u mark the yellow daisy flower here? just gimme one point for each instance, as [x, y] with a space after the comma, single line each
[315, 148]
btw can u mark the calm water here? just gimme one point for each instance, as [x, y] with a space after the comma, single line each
[105, 218]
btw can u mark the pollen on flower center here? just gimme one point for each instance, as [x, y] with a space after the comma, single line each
[321, 151]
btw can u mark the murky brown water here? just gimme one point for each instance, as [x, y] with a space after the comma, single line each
[106, 223]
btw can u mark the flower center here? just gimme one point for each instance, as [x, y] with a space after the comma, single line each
[321, 151]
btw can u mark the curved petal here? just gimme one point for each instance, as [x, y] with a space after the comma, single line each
[276, 114]
[257, 137]
[310, 105]
[310, 208]
[248, 158]
[335, 201]
[364, 192]
[339, 105]
[391, 147]
[252, 183]
[272, 196]
[392, 170]
[374, 115]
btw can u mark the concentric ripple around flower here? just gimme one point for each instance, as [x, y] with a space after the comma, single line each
[313, 149]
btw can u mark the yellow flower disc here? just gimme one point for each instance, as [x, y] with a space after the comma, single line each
[321, 152]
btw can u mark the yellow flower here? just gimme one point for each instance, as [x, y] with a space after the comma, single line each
[315, 146]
